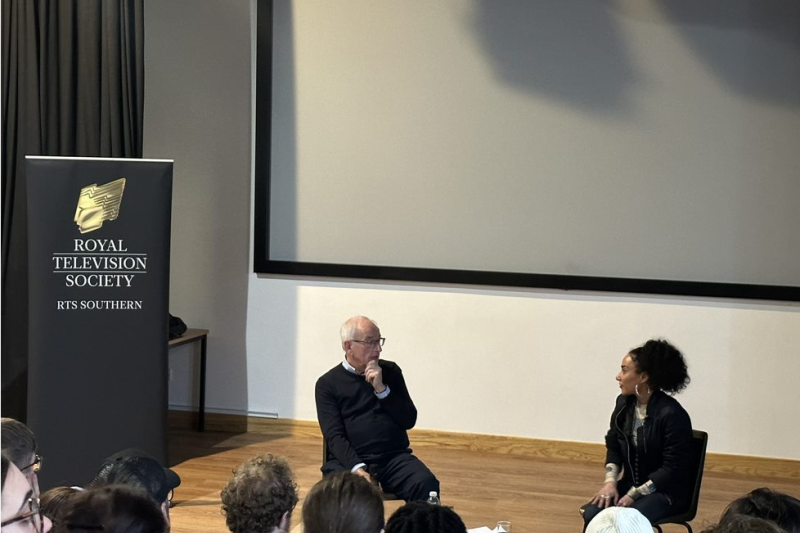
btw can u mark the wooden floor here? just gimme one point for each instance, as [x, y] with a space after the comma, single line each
[536, 495]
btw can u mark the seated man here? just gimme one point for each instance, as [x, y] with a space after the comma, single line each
[364, 411]
[260, 496]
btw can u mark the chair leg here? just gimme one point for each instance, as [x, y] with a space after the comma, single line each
[684, 524]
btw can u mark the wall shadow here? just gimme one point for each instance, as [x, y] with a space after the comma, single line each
[757, 52]
[567, 51]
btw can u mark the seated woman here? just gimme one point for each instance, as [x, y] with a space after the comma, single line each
[343, 503]
[649, 439]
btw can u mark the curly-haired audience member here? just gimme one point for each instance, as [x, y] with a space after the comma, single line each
[111, 509]
[343, 503]
[260, 496]
[768, 504]
[649, 438]
[421, 517]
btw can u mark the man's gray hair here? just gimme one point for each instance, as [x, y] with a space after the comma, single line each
[350, 327]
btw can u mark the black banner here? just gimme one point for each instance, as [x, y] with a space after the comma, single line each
[99, 242]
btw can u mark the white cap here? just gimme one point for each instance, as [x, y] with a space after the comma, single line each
[619, 520]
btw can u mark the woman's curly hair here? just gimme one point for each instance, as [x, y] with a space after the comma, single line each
[260, 491]
[422, 517]
[663, 363]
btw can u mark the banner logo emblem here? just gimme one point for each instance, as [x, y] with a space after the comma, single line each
[97, 204]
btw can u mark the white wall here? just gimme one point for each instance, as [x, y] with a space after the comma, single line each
[197, 112]
[530, 363]
[511, 362]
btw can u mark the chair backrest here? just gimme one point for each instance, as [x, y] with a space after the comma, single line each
[699, 445]
[324, 451]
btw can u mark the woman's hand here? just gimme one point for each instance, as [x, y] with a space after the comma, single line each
[607, 496]
[625, 501]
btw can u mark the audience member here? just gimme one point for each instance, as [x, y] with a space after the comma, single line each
[365, 410]
[619, 520]
[20, 506]
[111, 509]
[19, 445]
[649, 438]
[136, 468]
[745, 524]
[52, 501]
[343, 503]
[421, 517]
[765, 503]
[260, 496]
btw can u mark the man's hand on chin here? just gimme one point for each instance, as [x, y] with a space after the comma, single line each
[374, 376]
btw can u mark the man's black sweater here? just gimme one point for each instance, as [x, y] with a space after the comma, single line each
[359, 427]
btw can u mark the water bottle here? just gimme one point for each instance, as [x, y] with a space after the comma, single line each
[433, 498]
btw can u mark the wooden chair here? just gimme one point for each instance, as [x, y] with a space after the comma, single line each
[387, 496]
[699, 444]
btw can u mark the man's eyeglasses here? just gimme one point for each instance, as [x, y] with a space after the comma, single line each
[36, 464]
[372, 344]
[34, 510]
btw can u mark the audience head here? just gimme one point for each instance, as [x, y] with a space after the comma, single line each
[422, 517]
[52, 501]
[745, 524]
[19, 445]
[343, 503]
[664, 365]
[765, 503]
[111, 509]
[20, 506]
[136, 468]
[260, 496]
[619, 520]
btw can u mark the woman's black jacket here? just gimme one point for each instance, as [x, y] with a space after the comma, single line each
[663, 450]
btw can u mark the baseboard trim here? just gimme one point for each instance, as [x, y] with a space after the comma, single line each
[539, 448]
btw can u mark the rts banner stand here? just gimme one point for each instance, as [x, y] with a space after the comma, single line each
[98, 250]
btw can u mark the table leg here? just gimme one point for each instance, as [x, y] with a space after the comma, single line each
[202, 422]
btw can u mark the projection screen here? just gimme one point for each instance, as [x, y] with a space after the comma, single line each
[642, 146]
